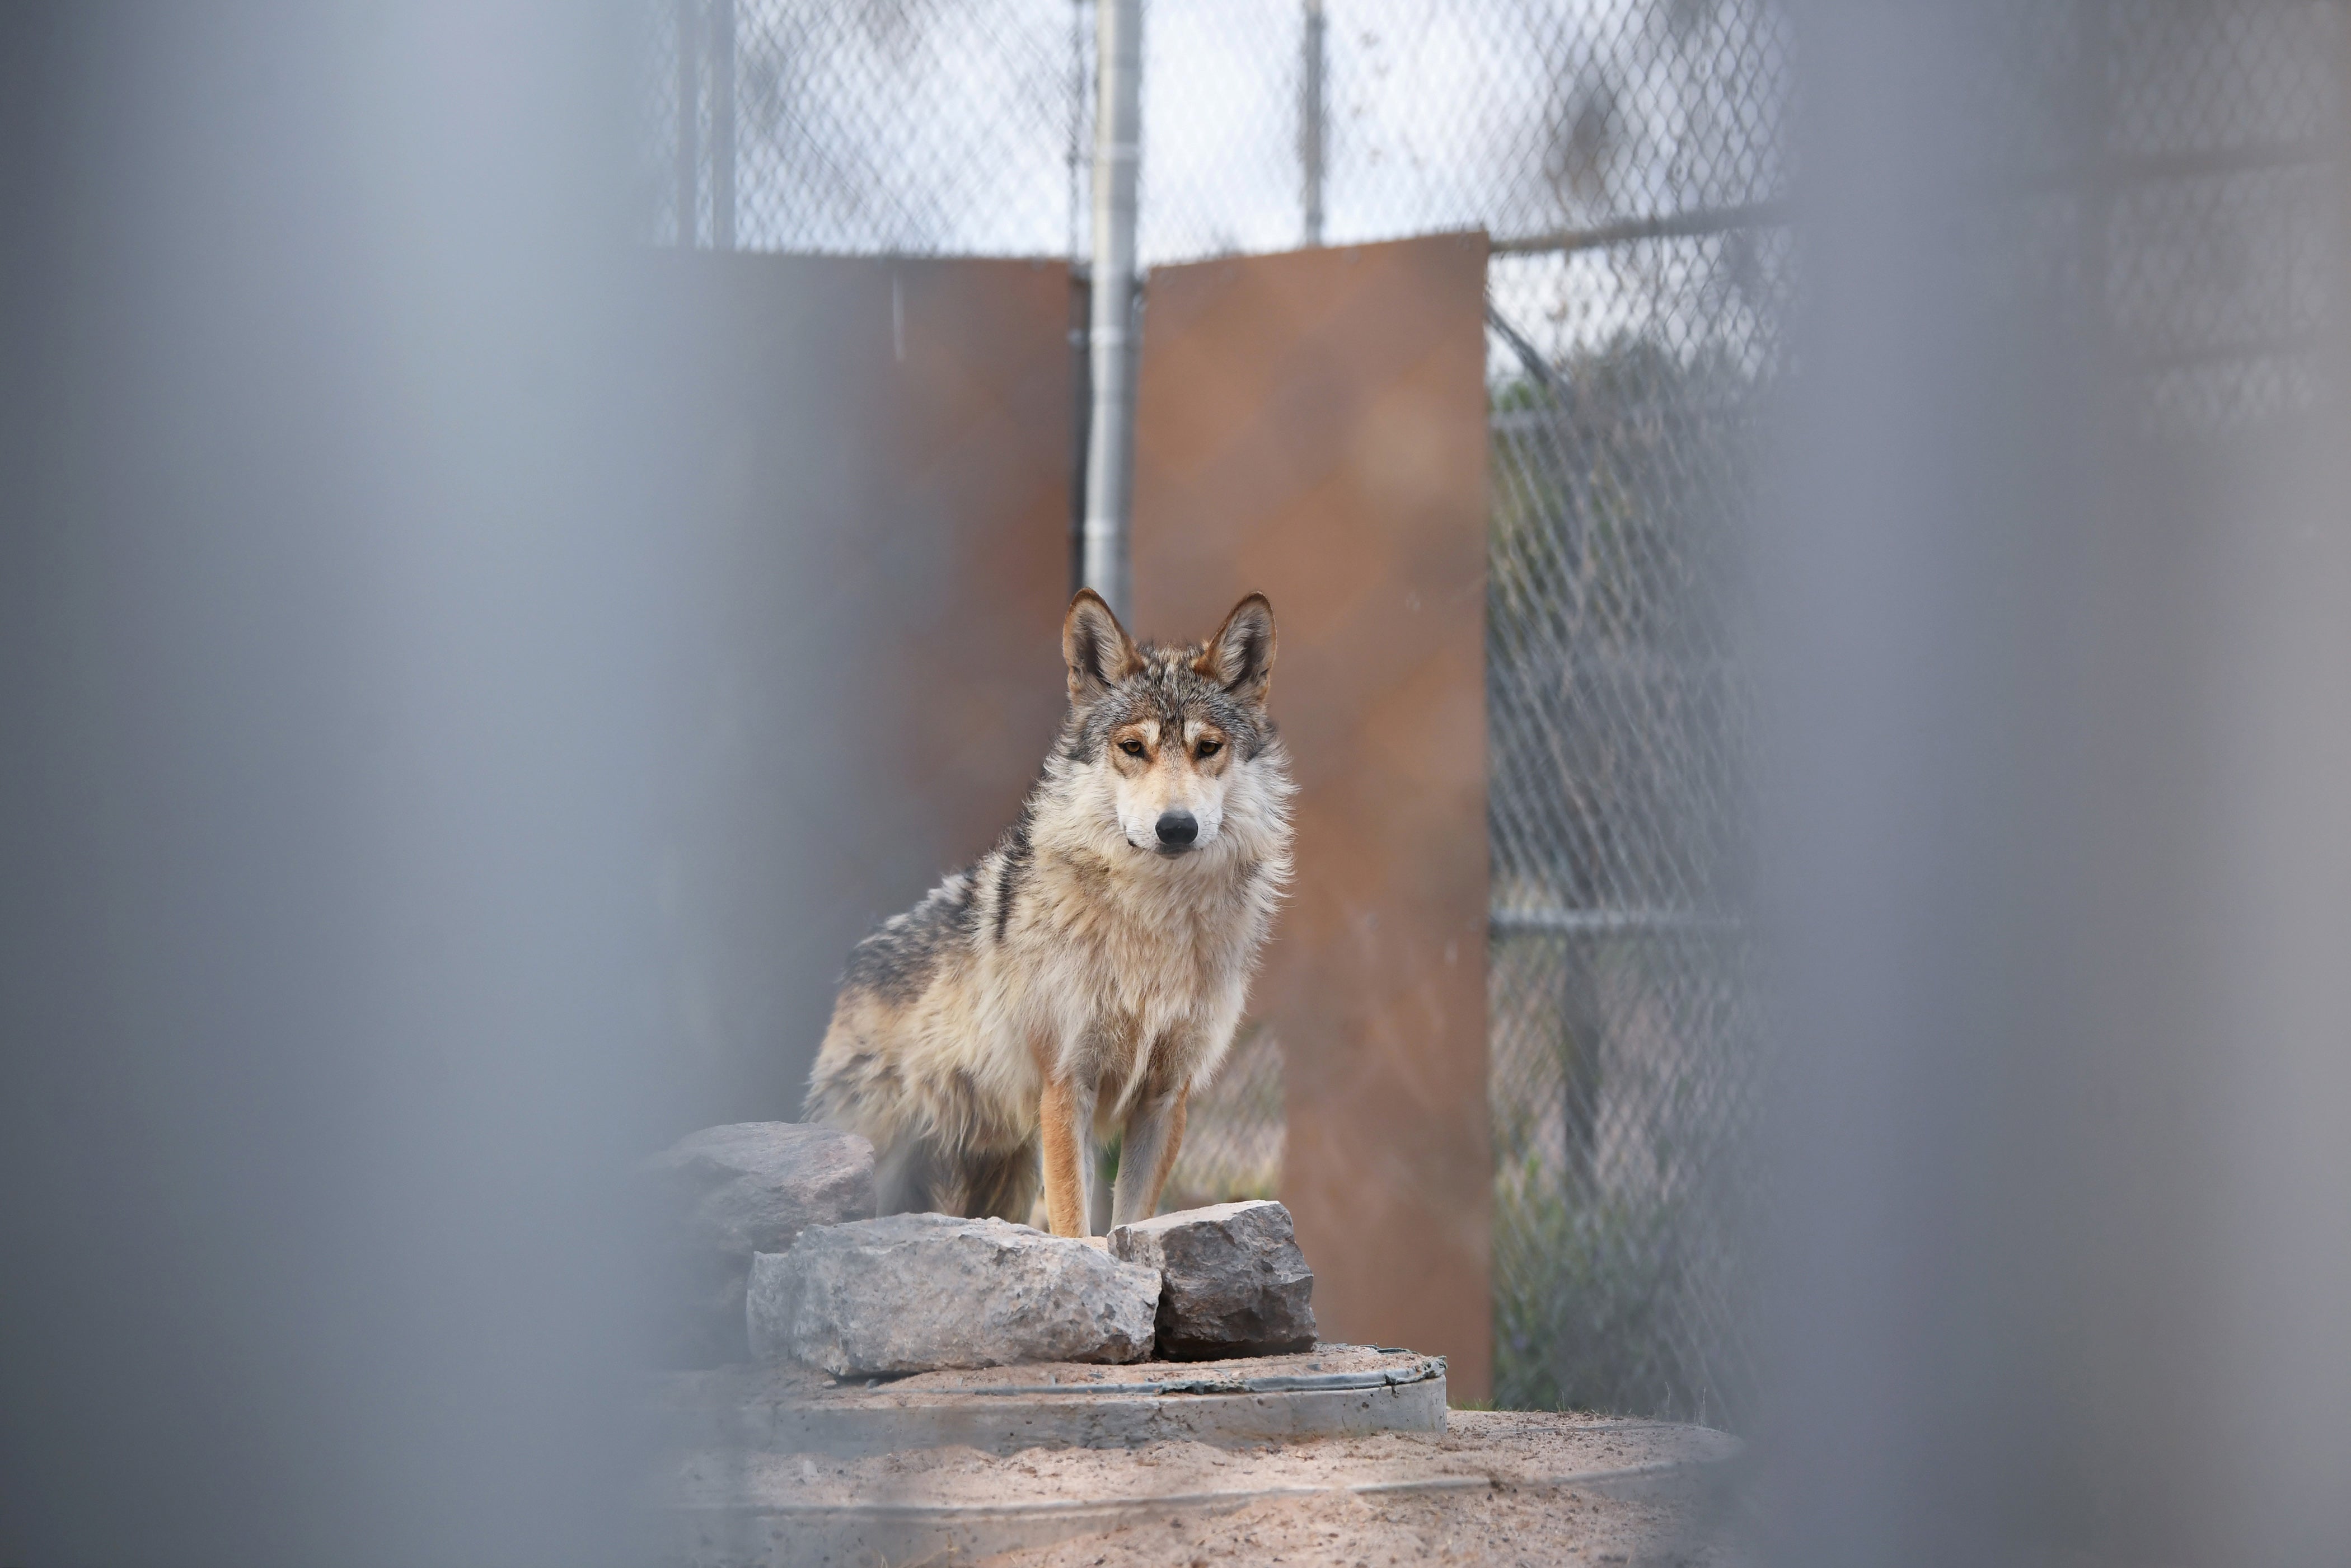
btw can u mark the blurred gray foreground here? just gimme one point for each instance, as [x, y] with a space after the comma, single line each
[331, 641]
[2057, 609]
[337, 653]
[721, 1194]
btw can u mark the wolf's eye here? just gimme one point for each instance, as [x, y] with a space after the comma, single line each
[1210, 748]
[1132, 747]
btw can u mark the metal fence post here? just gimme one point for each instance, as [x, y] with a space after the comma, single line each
[1110, 434]
[689, 122]
[1311, 119]
[722, 124]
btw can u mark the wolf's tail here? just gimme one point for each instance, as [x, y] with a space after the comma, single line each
[919, 1167]
[853, 1090]
[918, 1175]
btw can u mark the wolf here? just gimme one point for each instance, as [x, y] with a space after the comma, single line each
[1086, 975]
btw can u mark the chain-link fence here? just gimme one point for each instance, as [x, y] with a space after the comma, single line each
[1628, 159]
[1621, 1018]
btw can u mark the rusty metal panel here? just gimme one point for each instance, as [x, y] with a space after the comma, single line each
[872, 509]
[1314, 425]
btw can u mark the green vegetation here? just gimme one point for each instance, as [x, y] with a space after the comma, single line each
[1584, 1299]
[1616, 710]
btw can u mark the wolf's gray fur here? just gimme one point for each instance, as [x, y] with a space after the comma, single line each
[1089, 971]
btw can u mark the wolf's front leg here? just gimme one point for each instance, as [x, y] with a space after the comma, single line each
[1155, 1131]
[1098, 1214]
[1066, 1121]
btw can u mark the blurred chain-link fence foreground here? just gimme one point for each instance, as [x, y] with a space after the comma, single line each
[1628, 160]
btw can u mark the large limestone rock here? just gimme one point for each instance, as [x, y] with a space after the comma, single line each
[917, 1292]
[725, 1193]
[1233, 1280]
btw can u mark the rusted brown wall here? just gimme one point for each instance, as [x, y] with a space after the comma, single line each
[872, 514]
[1312, 426]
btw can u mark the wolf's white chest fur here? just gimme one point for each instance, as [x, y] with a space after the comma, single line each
[1148, 974]
[1125, 968]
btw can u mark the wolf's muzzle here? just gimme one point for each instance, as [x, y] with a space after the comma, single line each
[1175, 831]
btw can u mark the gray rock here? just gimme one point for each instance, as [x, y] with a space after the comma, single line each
[1233, 1280]
[914, 1293]
[725, 1193]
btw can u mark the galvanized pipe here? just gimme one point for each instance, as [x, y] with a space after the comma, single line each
[689, 123]
[1110, 432]
[722, 124]
[1312, 117]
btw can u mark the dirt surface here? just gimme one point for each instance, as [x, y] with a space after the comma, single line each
[1524, 1518]
[1493, 1488]
[1500, 1527]
[1508, 1449]
[1329, 1391]
[1511, 1487]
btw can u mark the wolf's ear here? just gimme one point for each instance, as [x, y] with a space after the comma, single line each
[1095, 647]
[1239, 657]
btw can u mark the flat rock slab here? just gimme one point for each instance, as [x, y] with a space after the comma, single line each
[725, 1193]
[1233, 1281]
[915, 1292]
[1333, 1390]
[1628, 1489]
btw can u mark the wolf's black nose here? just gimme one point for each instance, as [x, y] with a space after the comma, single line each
[1178, 829]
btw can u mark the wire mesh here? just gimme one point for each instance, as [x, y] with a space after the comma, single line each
[1525, 119]
[932, 127]
[1234, 1129]
[2152, 172]
[904, 127]
[1623, 1012]
[2210, 202]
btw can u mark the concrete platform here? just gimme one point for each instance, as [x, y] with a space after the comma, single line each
[1333, 1390]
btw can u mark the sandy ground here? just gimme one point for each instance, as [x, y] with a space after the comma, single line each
[1522, 1518]
[1521, 1502]
[1501, 1527]
[1506, 1448]
[1493, 1488]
